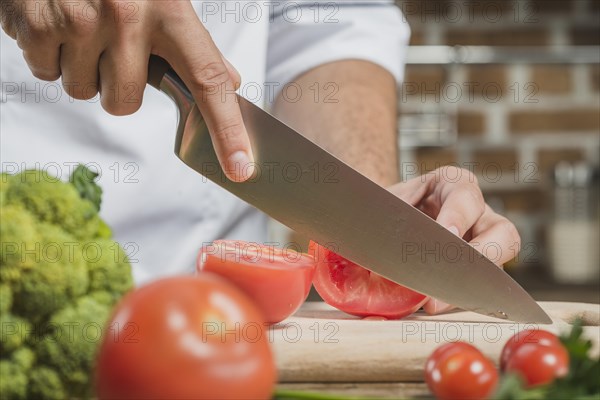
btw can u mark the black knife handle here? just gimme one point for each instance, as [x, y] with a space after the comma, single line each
[157, 68]
[163, 77]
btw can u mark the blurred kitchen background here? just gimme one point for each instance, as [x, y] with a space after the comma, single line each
[511, 90]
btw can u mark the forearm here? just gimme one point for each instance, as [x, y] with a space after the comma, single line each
[358, 123]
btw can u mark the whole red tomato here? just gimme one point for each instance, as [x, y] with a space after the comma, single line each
[186, 338]
[539, 364]
[460, 371]
[358, 291]
[444, 351]
[277, 280]
[535, 336]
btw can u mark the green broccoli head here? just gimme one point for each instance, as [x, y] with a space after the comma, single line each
[109, 268]
[60, 274]
[55, 202]
[23, 357]
[104, 231]
[5, 298]
[70, 348]
[84, 180]
[14, 332]
[19, 242]
[13, 381]
[59, 277]
[5, 180]
[103, 297]
[45, 383]
[64, 250]
[14, 372]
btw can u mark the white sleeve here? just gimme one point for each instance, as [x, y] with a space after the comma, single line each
[303, 36]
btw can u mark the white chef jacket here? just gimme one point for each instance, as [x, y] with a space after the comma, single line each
[160, 210]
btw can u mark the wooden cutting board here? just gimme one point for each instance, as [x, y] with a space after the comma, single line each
[322, 344]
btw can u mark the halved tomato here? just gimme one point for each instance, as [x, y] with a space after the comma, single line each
[278, 280]
[358, 291]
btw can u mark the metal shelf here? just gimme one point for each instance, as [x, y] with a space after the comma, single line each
[503, 55]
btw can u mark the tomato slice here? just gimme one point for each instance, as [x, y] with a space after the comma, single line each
[278, 280]
[358, 291]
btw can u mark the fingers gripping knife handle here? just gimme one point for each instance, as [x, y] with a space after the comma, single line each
[164, 78]
[157, 68]
[193, 143]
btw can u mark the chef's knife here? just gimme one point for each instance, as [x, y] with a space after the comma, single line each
[311, 191]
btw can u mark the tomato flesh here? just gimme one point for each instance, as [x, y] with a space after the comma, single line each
[277, 280]
[186, 338]
[358, 291]
[460, 371]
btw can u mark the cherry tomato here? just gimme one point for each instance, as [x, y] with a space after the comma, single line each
[277, 280]
[445, 350]
[460, 371]
[358, 291]
[535, 336]
[539, 364]
[186, 338]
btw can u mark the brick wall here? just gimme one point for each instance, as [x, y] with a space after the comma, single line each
[516, 119]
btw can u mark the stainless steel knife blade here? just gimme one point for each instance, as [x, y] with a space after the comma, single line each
[311, 191]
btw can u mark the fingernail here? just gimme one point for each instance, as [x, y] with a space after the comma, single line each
[239, 167]
[454, 230]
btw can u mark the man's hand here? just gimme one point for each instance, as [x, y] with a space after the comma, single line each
[452, 197]
[104, 46]
[360, 128]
